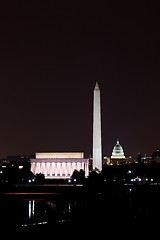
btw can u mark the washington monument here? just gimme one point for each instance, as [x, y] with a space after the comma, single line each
[97, 144]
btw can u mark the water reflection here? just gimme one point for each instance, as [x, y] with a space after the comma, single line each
[104, 209]
[31, 209]
[42, 211]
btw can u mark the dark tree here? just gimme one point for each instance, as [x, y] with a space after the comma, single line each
[39, 178]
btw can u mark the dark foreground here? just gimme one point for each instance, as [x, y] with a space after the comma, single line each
[116, 210]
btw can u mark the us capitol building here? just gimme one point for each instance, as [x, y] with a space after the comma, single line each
[117, 153]
[117, 157]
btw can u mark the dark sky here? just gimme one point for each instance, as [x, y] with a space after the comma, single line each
[51, 55]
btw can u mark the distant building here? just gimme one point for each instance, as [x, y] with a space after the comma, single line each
[59, 165]
[15, 169]
[117, 156]
[156, 156]
[106, 160]
[19, 161]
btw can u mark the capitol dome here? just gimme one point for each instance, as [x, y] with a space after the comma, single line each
[118, 152]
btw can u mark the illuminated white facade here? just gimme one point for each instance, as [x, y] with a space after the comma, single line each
[118, 152]
[59, 165]
[60, 155]
[97, 145]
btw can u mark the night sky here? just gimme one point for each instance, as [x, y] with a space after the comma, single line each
[51, 55]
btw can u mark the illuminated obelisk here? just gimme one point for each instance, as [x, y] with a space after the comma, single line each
[97, 143]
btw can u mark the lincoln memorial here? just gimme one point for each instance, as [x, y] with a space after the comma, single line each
[59, 164]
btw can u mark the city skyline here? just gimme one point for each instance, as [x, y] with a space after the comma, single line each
[51, 58]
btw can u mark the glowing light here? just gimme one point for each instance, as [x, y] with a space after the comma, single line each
[30, 209]
[60, 155]
[33, 209]
[69, 207]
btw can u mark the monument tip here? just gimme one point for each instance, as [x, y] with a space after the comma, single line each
[96, 86]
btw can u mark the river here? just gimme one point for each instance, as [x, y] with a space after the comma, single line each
[129, 208]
